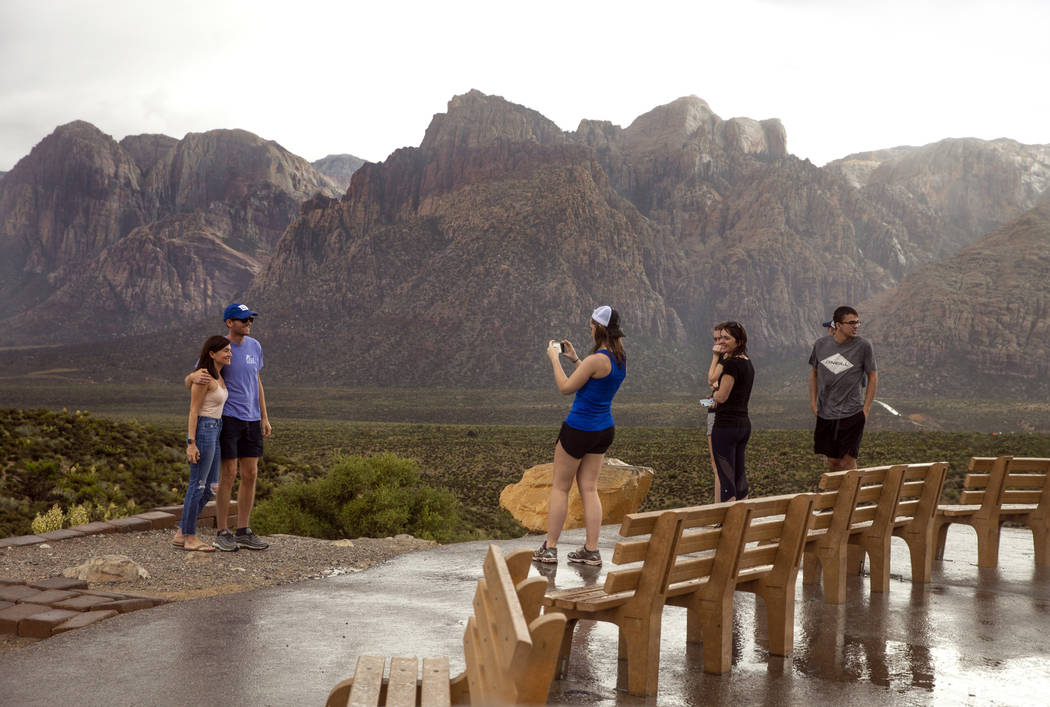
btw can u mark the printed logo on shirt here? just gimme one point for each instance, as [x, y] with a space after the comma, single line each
[251, 359]
[837, 364]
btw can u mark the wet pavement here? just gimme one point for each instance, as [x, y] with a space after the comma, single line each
[971, 636]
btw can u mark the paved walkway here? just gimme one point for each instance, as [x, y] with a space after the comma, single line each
[970, 637]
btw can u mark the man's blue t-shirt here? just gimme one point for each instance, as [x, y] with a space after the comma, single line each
[241, 378]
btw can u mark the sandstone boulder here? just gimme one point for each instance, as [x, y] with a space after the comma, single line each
[621, 487]
[108, 568]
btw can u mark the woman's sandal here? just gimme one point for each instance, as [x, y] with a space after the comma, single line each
[178, 541]
[203, 547]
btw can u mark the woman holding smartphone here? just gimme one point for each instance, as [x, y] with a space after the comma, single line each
[732, 426]
[586, 433]
[202, 441]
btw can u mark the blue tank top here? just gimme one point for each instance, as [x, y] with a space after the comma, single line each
[592, 408]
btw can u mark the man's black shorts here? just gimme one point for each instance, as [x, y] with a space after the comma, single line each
[836, 438]
[240, 439]
[579, 443]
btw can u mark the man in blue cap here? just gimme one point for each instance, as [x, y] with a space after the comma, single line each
[244, 425]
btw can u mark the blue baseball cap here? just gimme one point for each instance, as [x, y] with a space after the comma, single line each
[238, 311]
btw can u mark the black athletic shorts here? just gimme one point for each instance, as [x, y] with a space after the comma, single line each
[240, 439]
[838, 438]
[582, 442]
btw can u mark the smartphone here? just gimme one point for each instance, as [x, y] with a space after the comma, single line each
[558, 345]
[707, 402]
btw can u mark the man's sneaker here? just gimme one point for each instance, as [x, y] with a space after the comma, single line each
[249, 540]
[585, 556]
[224, 541]
[546, 554]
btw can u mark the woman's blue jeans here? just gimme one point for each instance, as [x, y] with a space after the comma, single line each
[204, 475]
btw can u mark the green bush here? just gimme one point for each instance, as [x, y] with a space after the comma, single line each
[52, 520]
[372, 496]
[78, 515]
[66, 459]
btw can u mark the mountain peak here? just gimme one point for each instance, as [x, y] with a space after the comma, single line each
[475, 119]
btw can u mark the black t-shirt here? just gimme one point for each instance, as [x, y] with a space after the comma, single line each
[733, 412]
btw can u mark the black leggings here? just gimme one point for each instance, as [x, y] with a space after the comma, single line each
[728, 444]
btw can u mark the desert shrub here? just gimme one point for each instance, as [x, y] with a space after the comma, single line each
[78, 515]
[52, 520]
[67, 459]
[372, 496]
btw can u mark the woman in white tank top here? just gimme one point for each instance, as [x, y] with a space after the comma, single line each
[202, 441]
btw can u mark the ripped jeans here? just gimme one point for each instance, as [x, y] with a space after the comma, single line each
[204, 475]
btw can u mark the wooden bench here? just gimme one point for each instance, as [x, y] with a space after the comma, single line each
[826, 544]
[694, 557]
[889, 501]
[996, 491]
[916, 506]
[509, 649]
[768, 567]
[868, 531]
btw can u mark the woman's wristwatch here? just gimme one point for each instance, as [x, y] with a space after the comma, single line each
[189, 441]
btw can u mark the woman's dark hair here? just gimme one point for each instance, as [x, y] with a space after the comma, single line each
[211, 345]
[609, 337]
[736, 330]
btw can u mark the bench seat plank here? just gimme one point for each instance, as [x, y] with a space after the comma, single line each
[434, 690]
[401, 686]
[368, 681]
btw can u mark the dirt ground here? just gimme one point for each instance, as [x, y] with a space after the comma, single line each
[181, 575]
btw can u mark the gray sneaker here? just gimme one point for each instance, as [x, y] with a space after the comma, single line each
[249, 540]
[546, 554]
[224, 541]
[585, 556]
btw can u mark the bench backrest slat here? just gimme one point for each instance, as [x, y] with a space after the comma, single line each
[1017, 464]
[985, 483]
[694, 532]
[833, 510]
[635, 524]
[921, 490]
[777, 532]
[656, 553]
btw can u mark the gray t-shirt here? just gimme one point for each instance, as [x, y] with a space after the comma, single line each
[841, 370]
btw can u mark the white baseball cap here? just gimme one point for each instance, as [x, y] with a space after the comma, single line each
[602, 315]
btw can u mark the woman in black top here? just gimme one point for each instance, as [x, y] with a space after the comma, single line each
[732, 428]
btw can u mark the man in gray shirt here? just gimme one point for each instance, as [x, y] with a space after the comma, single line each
[840, 365]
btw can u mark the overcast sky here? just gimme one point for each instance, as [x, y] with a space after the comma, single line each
[365, 77]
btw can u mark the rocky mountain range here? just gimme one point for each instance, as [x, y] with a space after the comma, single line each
[452, 263]
[980, 316]
[111, 238]
[339, 168]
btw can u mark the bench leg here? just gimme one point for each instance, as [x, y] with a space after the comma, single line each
[811, 566]
[940, 534]
[854, 558]
[562, 668]
[1041, 538]
[835, 569]
[919, 548]
[711, 622]
[780, 614]
[987, 544]
[879, 555]
[640, 649]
